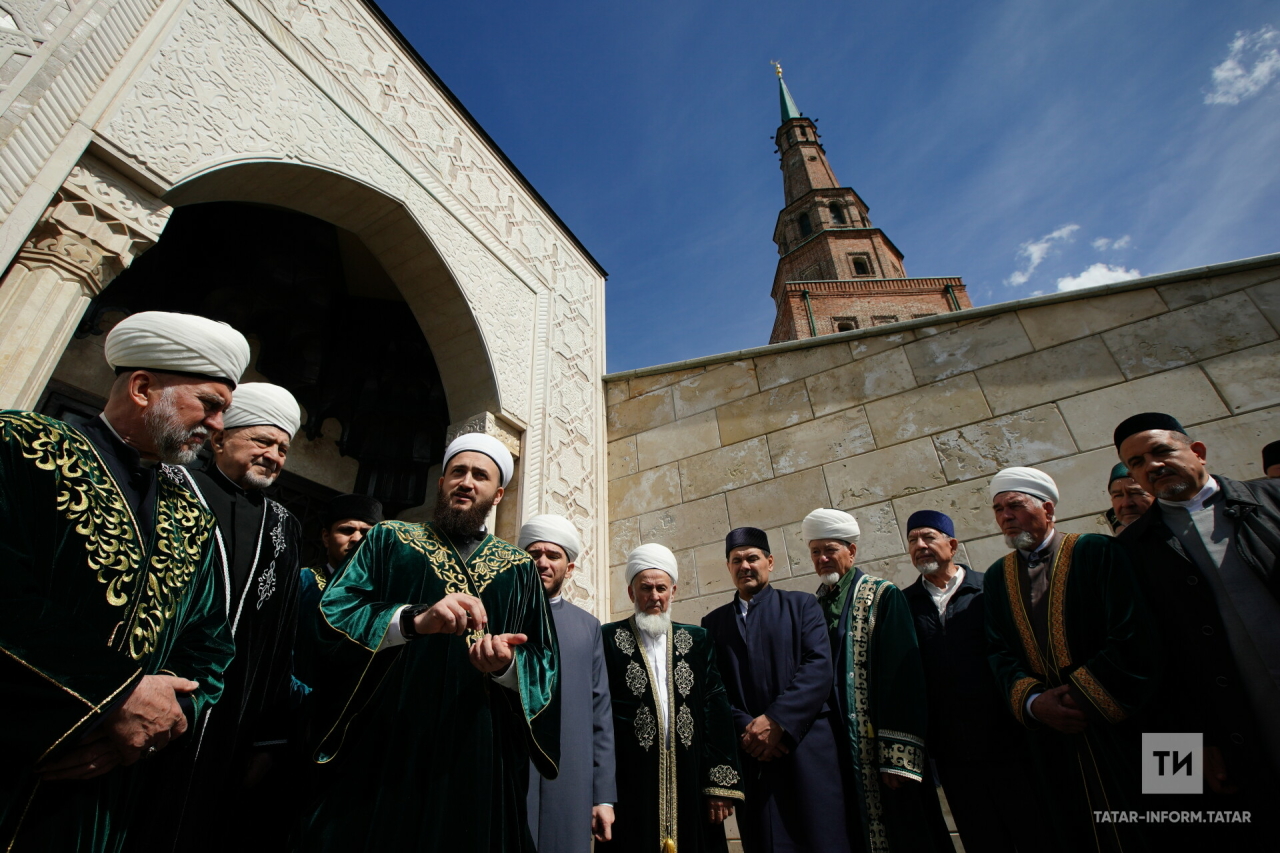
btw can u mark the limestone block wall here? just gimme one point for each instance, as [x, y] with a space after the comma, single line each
[886, 421]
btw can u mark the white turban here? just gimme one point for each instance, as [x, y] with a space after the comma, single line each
[178, 343]
[1029, 481]
[486, 444]
[829, 524]
[555, 529]
[652, 556]
[258, 403]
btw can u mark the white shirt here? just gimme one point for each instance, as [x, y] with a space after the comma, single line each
[942, 594]
[1198, 501]
[743, 604]
[655, 648]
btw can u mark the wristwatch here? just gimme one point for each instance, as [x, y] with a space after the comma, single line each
[407, 615]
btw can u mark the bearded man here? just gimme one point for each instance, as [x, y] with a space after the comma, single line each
[112, 618]
[444, 640]
[565, 813]
[678, 771]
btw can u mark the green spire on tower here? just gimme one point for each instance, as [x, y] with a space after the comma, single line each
[789, 109]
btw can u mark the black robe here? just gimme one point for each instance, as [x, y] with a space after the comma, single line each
[777, 661]
[212, 774]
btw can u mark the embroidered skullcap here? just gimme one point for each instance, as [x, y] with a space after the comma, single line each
[360, 507]
[829, 524]
[1029, 481]
[555, 529]
[1144, 422]
[746, 537]
[652, 556]
[258, 403]
[933, 519]
[486, 444]
[177, 343]
[1118, 472]
[1270, 455]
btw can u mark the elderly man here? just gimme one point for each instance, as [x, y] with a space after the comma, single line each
[1271, 460]
[219, 771]
[976, 747]
[112, 620]
[1206, 555]
[677, 759]
[1075, 658]
[1128, 499]
[445, 640]
[879, 693]
[565, 813]
[775, 657]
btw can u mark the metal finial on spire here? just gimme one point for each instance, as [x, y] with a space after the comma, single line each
[777, 66]
[789, 108]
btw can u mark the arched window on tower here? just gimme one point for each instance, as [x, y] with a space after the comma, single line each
[837, 214]
[806, 228]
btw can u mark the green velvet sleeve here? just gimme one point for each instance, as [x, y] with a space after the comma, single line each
[720, 771]
[898, 708]
[1013, 678]
[538, 668]
[202, 646]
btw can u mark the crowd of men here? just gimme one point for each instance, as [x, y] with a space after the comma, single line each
[175, 679]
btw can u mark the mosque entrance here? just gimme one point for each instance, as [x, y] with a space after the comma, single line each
[324, 320]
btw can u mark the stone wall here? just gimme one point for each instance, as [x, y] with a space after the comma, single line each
[886, 421]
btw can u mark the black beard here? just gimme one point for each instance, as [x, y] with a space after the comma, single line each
[460, 524]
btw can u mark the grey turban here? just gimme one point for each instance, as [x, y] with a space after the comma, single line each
[829, 524]
[1029, 481]
[555, 529]
[259, 403]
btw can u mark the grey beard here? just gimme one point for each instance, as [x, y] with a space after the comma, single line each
[1174, 491]
[653, 624]
[830, 579]
[927, 568]
[1023, 541]
[253, 479]
[168, 433]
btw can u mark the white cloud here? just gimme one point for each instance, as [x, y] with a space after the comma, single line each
[1101, 244]
[1097, 274]
[1122, 243]
[1035, 251]
[1233, 79]
[1104, 243]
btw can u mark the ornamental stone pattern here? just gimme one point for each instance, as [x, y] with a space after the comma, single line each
[914, 416]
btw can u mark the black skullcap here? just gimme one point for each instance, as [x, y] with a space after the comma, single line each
[746, 537]
[938, 521]
[360, 507]
[1144, 422]
[1270, 455]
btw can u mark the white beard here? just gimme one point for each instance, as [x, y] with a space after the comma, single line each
[1023, 541]
[830, 579]
[927, 568]
[653, 624]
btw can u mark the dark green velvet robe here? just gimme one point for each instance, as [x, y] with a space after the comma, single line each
[421, 750]
[1100, 639]
[663, 789]
[86, 609]
[880, 691]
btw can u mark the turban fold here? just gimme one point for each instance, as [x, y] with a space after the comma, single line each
[478, 442]
[829, 524]
[258, 403]
[1270, 455]
[1144, 422]
[746, 537]
[1118, 472]
[652, 556]
[933, 519]
[177, 343]
[1029, 481]
[555, 529]
[360, 507]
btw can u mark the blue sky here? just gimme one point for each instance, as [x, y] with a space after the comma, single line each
[1024, 146]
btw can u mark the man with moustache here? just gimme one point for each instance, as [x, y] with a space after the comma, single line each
[219, 771]
[1206, 557]
[565, 813]
[774, 655]
[974, 744]
[676, 754]
[1076, 659]
[112, 619]
[1128, 499]
[443, 638]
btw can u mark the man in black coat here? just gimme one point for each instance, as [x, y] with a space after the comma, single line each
[775, 658]
[974, 742]
[1206, 554]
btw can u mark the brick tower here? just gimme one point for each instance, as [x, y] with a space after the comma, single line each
[836, 272]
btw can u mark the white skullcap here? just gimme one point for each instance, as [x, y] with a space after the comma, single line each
[258, 403]
[829, 524]
[1029, 481]
[652, 556]
[555, 529]
[486, 444]
[178, 343]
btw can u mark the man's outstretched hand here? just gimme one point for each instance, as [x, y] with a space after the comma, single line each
[494, 652]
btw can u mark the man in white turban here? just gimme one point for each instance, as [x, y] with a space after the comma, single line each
[257, 555]
[110, 595]
[1075, 658]
[441, 678]
[676, 745]
[566, 812]
[878, 696]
